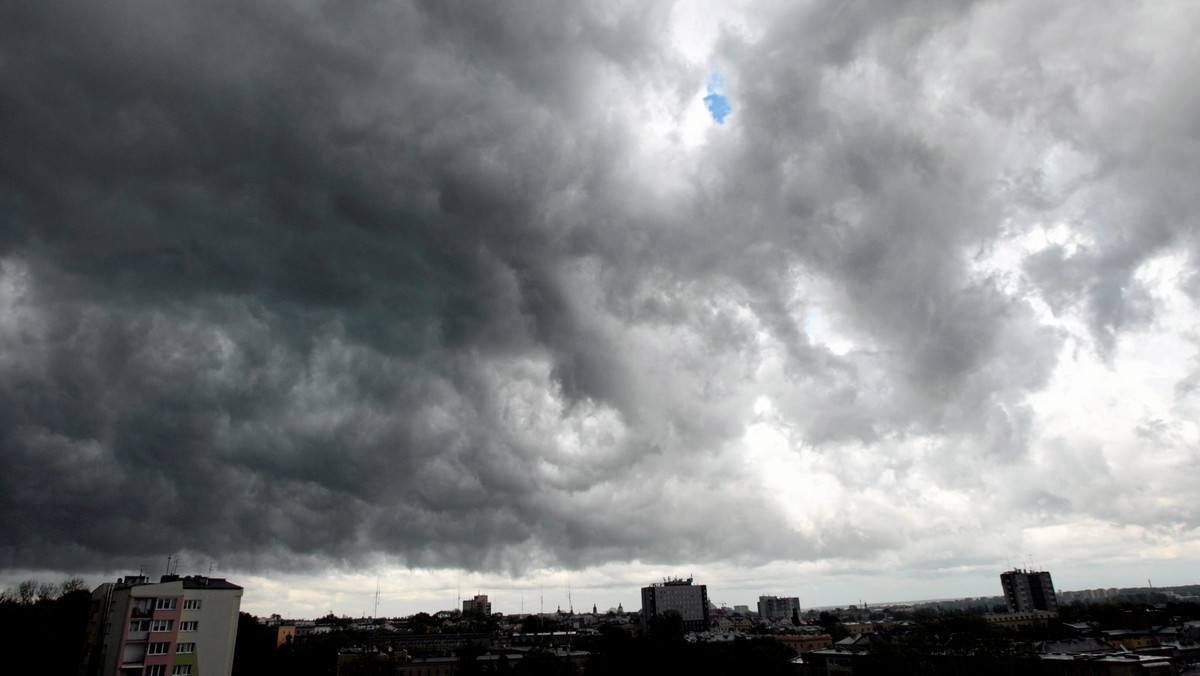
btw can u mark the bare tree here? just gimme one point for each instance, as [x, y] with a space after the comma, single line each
[73, 584]
[27, 591]
[47, 591]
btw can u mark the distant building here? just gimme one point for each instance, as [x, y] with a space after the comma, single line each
[479, 604]
[742, 610]
[691, 601]
[772, 608]
[176, 627]
[802, 644]
[1026, 591]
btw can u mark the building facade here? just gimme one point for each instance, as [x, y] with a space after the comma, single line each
[179, 626]
[1026, 591]
[689, 600]
[773, 608]
[479, 604]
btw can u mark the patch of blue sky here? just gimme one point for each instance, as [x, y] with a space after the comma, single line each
[716, 101]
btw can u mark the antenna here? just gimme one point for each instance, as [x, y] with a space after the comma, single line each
[570, 605]
[376, 613]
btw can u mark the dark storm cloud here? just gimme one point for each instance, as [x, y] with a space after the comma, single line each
[300, 282]
[267, 259]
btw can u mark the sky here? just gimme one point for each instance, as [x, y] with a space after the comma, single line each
[848, 301]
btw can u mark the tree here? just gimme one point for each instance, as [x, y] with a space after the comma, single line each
[667, 626]
[534, 624]
[73, 584]
[422, 623]
[47, 591]
[27, 591]
[833, 626]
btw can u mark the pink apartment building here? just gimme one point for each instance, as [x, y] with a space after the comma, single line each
[179, 626]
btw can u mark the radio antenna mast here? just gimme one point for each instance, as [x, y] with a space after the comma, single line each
[376, 613]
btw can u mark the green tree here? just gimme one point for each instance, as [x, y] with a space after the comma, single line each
[422, 623]
[667, 626]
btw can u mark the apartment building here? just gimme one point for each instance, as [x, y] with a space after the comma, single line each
[179, 626]
[774, 608]
[1026, 591]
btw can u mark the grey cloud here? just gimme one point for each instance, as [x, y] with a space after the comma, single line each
[294, 283]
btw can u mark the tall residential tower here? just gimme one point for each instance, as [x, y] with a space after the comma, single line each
[179, 626]
[1026, 591]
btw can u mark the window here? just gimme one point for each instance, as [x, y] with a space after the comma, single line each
[167, 604]
[156, 670]
[191, 604]
[184, 648]
[136, 626]
[158, 649]
[142, 607]
[188, 626]
[162, 625]
[182, 670]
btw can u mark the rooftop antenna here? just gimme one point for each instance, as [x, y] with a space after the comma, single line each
[570, 605]
[210, 567]
[375, 614]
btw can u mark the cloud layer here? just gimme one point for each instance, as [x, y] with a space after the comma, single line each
[303, 284]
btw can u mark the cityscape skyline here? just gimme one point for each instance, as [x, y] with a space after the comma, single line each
[830, 299]
[399, 598]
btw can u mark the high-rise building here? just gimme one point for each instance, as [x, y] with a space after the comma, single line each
[479, 604]
[179, 626]
[689, 600]
[1026, 591]
[772, 608]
